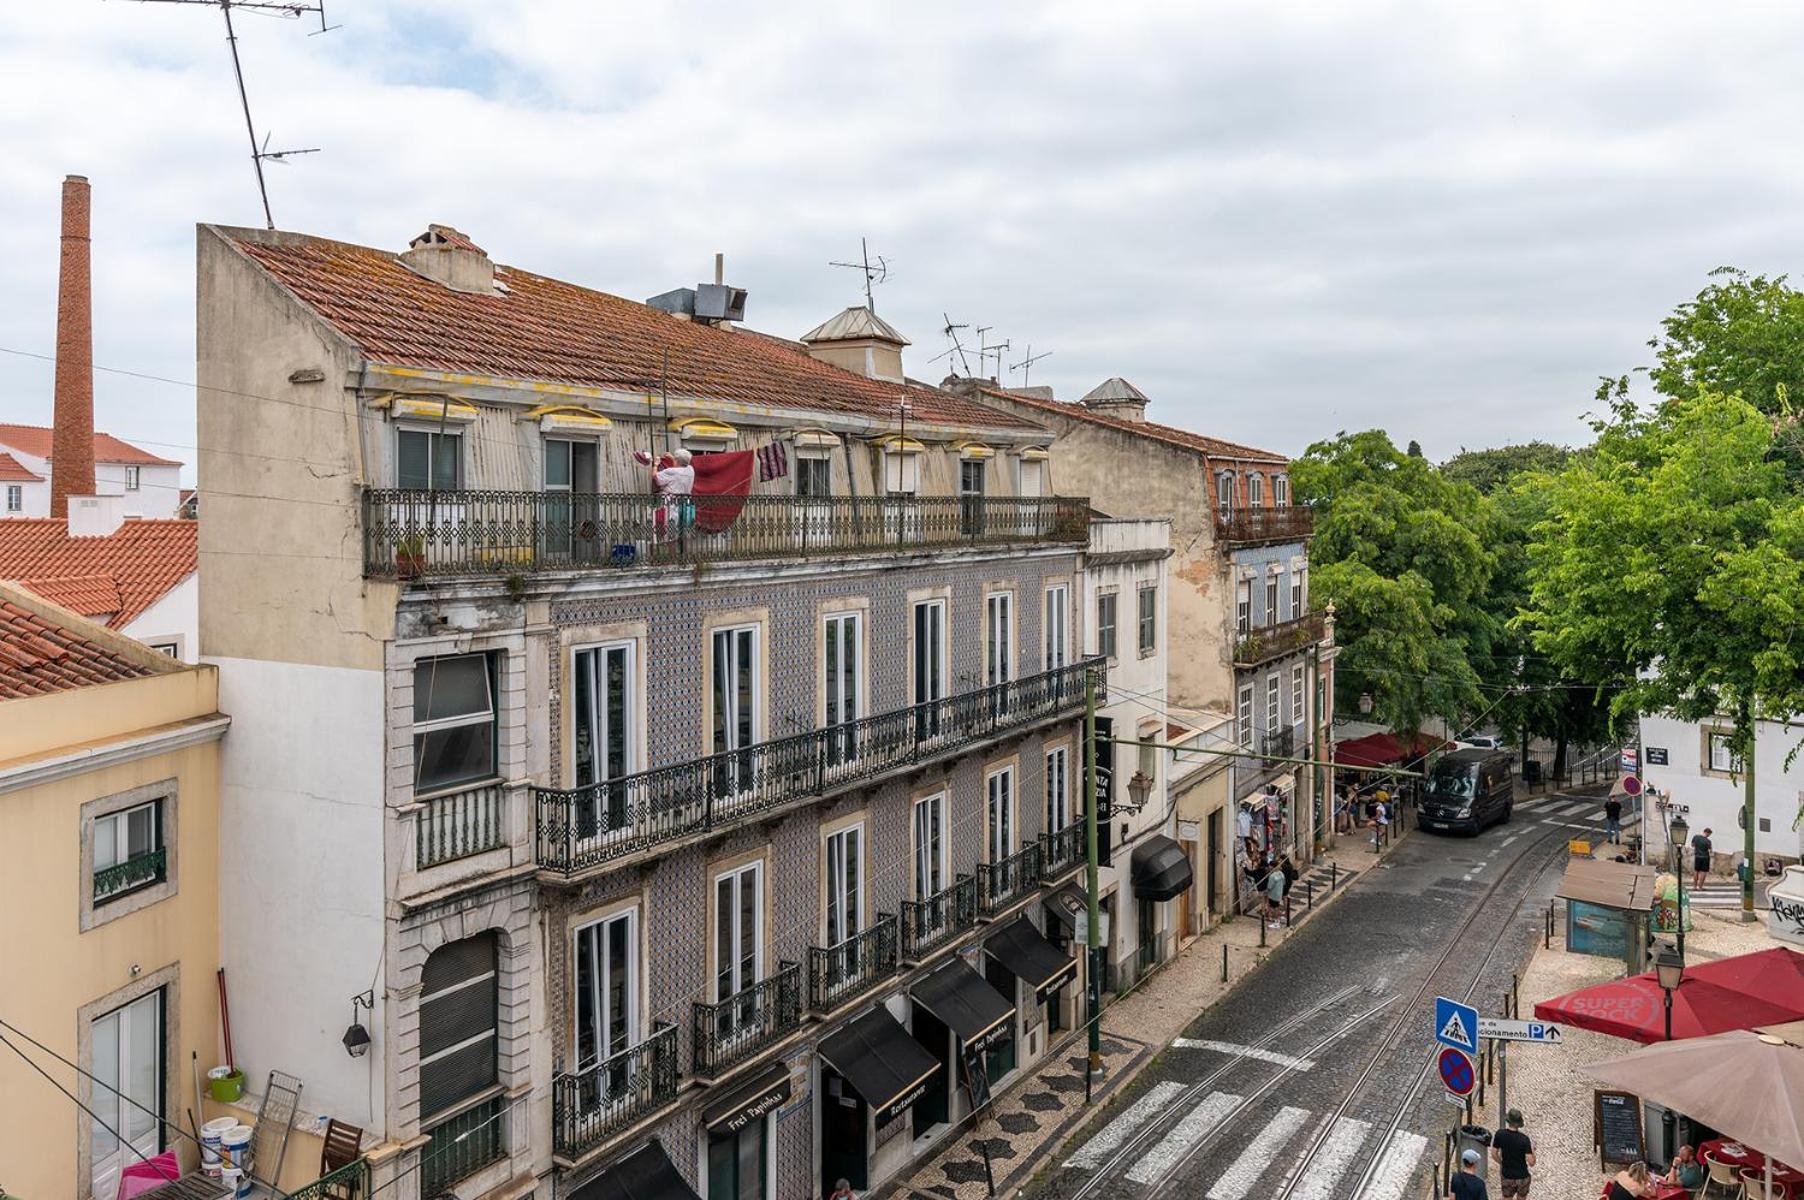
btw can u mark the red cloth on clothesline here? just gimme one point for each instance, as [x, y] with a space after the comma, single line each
[722, 482]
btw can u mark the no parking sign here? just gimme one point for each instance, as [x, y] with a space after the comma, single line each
[1457, 1072]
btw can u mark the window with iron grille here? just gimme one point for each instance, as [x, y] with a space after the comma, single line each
[128, 850]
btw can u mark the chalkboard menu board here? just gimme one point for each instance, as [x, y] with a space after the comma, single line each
[1618, 1127]
[977, 1080]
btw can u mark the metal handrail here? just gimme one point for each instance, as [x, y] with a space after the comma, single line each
[590, 1104]
[1274, 641]
[729, 1031]
[1001, 883]
[141, 870]
[931, 923]
[1061, 851]
[1286, 523]
[840, 972]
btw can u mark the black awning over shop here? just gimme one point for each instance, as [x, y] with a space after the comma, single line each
[964, 1000]
[1026, 952]
[763, 1093]
[881, 1061]
[645, 1174]
[1161, 869]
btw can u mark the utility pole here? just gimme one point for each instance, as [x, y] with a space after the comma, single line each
[1093, 979]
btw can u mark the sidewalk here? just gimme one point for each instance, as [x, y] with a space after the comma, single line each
[1034, 1117]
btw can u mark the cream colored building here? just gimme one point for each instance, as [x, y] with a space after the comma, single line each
[109, 835]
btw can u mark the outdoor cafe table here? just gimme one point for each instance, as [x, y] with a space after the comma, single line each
[1668, 1191]
[1746, 1157]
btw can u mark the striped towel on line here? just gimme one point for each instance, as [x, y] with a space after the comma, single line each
[773, 462]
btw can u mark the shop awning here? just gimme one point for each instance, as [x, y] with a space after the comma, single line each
[881, 1061]
[1070, 907]
[1161, 869]
[763, 1093]
[964, 1000]
[1610, 884]
[1026, 952]
[1385, 750]
[645, 1174]
[1751, 990]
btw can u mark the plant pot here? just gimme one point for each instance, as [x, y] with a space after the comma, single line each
[226, 1089]
[410, 564]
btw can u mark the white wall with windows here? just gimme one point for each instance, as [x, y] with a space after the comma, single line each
[172, 624]
[1700, 773]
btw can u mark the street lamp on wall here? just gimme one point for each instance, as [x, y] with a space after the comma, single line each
[357, 1038]
[1365, 704]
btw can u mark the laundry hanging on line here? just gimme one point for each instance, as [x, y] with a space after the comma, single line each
[773, 462]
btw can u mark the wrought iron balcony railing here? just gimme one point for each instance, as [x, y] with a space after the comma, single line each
[737, 1028]
[1250, 526]
[1252, 770]
[1062, 851]
[837, 974]
[139, 871]
[349, 1182]
[460, 824]
[413, 533]
[581, 828]
[463, 1145]
[1275, 641]
[929, 924]
[1001, 883]
[589, 1105]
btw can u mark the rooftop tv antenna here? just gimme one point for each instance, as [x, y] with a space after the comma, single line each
[956, 347]
[292, 9]
[987, 349]
[873, 274]
[1027, 364]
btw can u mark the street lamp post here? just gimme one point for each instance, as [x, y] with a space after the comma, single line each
[1677, 830]
[1669, 969]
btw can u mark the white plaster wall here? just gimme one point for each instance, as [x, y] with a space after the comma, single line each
[301, 906]
[174, 617]
[159, 491]
[35, 498]
[1716, 801]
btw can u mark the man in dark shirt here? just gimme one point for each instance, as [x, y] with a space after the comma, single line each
[1700, 858]
[1467, 1183]
[1515, 1154]
[1613, 820]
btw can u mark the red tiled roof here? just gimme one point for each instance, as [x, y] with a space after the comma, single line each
[12, 472]
[39, 656]
[35, 440]
[144, 559]
[1212, 447]
[545, 329]
[93, 596]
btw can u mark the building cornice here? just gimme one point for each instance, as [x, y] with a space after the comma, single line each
[163, 740]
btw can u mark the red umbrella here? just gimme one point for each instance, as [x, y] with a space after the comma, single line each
[1713, 997]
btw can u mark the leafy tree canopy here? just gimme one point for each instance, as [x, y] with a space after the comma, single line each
[1491, 470]
[1742, 334]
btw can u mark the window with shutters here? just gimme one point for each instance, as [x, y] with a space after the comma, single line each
[1271, 599]
[1149, 619]
[458, 1052]
[1105, 624]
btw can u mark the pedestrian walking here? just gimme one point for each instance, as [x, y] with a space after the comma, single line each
[1613, 820]
[1381, 820]
[1515, 1154]
[1275, 883]
[1700, 857]
[1467, 1183]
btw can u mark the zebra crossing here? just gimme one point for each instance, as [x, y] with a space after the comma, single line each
[1724, 893]
[1261, 1168]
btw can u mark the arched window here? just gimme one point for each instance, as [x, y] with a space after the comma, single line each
[459, 1059]
[1255, 491]
[1224, 491]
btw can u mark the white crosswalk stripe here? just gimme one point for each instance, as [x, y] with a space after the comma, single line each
[1331, 1162]
[1110, 1137]
[1576, 807]
[1395, 1165]
[1236, 1183]
[1195, 1125]
[1235, 1050]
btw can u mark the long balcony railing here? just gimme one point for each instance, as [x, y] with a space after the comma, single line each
[1001, 883]
[580, 828]
[1252, 770]
[1275, 641]
[1250, 526]
[412, 533]
[837, 974]
[460, 824]
[588, 1106]
[929, 924]
[138, 871]
[463, 1145]
[349, 1182]
[1061, 852]
[733, 1030]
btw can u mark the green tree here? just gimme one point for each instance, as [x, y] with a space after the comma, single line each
[1405, 556]
[1496, 469]
[1670, 565]
[1741, 334]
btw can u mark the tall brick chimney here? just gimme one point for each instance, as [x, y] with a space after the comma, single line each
[72, 443]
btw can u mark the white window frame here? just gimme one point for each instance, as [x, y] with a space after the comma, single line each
[901, 473]
[1108, 633]
[1717, 740]
[931, 870]
[634, 708]
[1280, 491]
[1058, 789]
[434, 444]
[851, 674]
[728, 721]
[819, 461]
[1002, 828]
[172, 649]
[1055, 623]
[940, 664]
[1255, 490]
[1272, 598]
[738, 878]
[1299, 593]
[1146, 622]
[134, 477]
[834, 931]
[1243, 713]
[998, 637]
[118, 825]
[591, 936]
[1030, 478]
[112, 1108]
[1274, 702]
[491, 716]
[1298, 694]
[15, 497]
[1224, 492]
[1243, 608]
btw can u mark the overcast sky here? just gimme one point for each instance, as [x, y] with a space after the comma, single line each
[1279, 220]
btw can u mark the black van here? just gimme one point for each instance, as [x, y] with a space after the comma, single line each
[1468, 790]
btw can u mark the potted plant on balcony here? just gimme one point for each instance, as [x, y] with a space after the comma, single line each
[410, 556]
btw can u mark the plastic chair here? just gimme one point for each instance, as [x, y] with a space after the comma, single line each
[1721, 1173]
[1753, 1186]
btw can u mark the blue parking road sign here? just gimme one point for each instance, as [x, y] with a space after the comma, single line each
[1456, 1024]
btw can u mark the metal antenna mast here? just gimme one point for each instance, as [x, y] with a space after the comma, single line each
[278, 8]
[957, 347]
[990, 349]
[872, 274]
[1027, 364]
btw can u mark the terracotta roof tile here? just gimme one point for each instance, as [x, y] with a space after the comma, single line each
[35, 440]
[39, 656]
[1211, 447]
[142, 559]
[12, 472]
[93, 596]
[536, 328]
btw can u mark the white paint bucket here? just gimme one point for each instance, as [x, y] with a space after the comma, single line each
[211, 1135]
[235, 1146]
[231, 1178]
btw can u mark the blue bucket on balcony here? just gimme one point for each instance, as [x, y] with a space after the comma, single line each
[623, 554]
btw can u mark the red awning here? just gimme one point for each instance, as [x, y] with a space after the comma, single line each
[1382, 750]
[1751, 990]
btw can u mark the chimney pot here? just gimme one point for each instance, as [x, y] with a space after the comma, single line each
[72, 438]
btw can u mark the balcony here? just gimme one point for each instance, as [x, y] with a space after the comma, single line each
[930, 924]
[349, 1182]
[1251, 772]
[463, 1145]
[580, 829]
[410, 534]
[1253, 526]
[744, 1024]
[1002, 883]
[837, 974]
[1275, 641]
[140, 871]
[460, 824]
[1062, 852]
[589, 1106]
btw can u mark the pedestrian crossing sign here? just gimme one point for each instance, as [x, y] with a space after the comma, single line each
[1456, 1024]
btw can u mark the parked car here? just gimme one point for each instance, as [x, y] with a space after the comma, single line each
[1468, 790]
[1483, 741]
